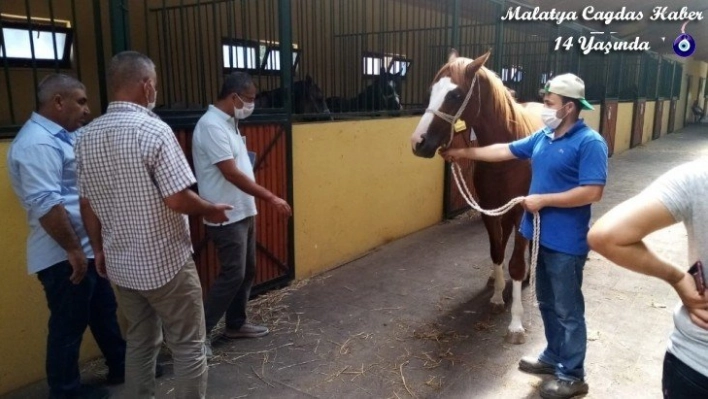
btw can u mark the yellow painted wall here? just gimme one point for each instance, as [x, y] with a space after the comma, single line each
[592, 118]
[357, 186]
[23, 313]
[623, 133]
[649, 111]
[665, 117]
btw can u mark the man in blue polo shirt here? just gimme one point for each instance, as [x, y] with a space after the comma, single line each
[569, 170]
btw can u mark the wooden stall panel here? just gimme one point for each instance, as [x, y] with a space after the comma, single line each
[609, 124]
[638, 123]
[672, 115]
[658, 114]
[274, 260]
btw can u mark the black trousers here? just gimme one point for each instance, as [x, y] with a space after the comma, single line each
[72, 308]
[236, 248]
[680, 381]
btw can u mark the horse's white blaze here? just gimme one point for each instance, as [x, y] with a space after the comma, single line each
[437, 97]
[499, 284]
[517, 308]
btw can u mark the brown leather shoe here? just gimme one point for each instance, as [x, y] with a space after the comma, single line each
[532, 365]
[563, 389]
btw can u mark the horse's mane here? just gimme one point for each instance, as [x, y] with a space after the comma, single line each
[503, 105]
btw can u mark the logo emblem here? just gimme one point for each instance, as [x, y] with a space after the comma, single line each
[684, 45]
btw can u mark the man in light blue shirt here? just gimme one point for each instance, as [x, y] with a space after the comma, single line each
[42, 169]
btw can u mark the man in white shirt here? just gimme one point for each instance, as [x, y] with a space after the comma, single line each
[678, 196]
[225, 174]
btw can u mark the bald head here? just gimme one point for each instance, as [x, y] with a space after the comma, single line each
[56, 84]
[133, 78]
[129, 68]
[62, 99]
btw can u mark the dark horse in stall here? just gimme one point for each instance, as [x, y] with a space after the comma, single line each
[380, 95]
[307, 98]
[496, 118]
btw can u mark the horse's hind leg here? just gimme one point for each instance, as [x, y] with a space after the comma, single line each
[517, 271]
[497, 243]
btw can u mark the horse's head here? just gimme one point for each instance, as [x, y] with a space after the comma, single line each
[450, 94]
[308, 98]
[388, 84]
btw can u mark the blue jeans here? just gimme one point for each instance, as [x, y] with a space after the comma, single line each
[679, 381]
[559, 278]
[72, 308]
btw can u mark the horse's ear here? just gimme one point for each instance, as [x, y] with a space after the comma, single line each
[452, 55]
[477, 63]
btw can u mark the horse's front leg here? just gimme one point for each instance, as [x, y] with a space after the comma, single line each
[517, 269]
[497, 243]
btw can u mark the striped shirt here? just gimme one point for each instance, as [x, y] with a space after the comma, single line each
[128, 161]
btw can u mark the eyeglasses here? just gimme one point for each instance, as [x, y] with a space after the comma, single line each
[246, 99]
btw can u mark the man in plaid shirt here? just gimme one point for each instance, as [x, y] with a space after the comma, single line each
[134, 186]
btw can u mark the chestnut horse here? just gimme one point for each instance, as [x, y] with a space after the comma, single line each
[496, 118]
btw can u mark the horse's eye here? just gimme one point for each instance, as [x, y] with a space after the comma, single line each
[454, 95]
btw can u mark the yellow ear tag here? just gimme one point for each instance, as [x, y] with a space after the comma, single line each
[460, 126]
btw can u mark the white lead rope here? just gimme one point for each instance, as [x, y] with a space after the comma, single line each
[467, 195]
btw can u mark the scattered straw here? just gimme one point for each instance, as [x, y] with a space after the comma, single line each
[261, 378]
[483, 326]
[296, 364]
[403, 378]
[435, 382]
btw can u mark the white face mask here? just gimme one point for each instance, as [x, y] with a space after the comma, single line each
[151, 105]
[246, 111]
[548, 115]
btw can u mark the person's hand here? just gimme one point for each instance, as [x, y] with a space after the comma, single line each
[99, 260]
[79, 264]
[696, 304]
[533, 203]
[281, 206]
[452, 154]
[217, 213]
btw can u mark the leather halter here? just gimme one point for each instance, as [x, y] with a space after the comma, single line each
[452, 119]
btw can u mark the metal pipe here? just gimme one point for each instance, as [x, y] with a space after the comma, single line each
[147, 28]
[286, 53]
[6, 69]
[185, 74]
[54, 36]
[34, 59]
[200, 43]
[75, 26]
[100, 55]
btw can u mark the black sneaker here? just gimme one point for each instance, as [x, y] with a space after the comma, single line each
[534, 366]
[563, 389]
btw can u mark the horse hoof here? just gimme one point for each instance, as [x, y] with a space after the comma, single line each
[490, 282]
[515, 338]
[498, 308]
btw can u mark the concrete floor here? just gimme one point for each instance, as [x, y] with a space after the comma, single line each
[412, 319]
